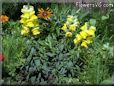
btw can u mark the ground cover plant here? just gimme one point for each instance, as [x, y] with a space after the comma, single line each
[50, 43]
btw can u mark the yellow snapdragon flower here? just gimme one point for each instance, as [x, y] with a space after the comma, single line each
[70, 18]
[72, 27]
[29, 20]
[68, 34]
[28, 9]
[30, 24]
[67, 23]
[84, 27]
[76, 23]
[35, 31]
[88, 41]
[76, 41]
[25, 15]
[91, 32]
[64, 28]
[83, 34]
[23, 20]
[79, 37]
[25, 30]
[84, 44]
[33, 17]
[93, 28]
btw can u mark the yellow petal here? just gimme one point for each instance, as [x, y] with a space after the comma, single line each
[72, 27]
[64, 28]
[30, 24]
[84, 44]
[70, 19]
[76, 41]
[83, 34]
[67, 23]
[24, 30]
[35, 31]
[25, 15]
[91, 32]
[68, 34]
[84, 27]
[23, 20]
[32, 13]
[92, 28]
[33, 17]
[78, 37]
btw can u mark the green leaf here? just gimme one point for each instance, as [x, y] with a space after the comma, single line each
[37, 62]
[50, 54]
[105, 17]
[109, 81]
[33, 79]
[93, 22]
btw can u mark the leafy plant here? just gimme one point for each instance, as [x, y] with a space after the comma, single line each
[13, 49]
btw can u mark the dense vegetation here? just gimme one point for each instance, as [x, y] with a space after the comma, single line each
[49, 55]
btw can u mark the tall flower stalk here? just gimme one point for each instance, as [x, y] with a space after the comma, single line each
[29, 21]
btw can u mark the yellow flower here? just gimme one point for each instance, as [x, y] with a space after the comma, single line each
[72, 27]
[33, 17]
[24, 30]
[84, 44]
[76, 41]
[92, 28]
[35, 31]
[88, 41]
[83, 34]
[25, 15]
[67, 23]
[29, 20]
[27, 9]
[76, 23]
[78, 37]
[68, 34]
[30, 24]
[23, 20]
[70, 19]
[64, 28]
[84, 27]
[91, 32]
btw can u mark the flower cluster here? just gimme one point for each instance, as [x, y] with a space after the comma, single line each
[86, 35]
[3, 18]
[29, 21]
[70, 25]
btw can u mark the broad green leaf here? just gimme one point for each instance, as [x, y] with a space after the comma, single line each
[37, 62]
[105, 17]
[93, 22]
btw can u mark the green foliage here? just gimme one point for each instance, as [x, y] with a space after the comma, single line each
[13, 49]
[96, 68]
[50, 59]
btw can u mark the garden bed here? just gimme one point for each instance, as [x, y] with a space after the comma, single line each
[56, 43]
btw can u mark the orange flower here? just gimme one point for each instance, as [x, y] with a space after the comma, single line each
[3, 18]
[45, 14]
